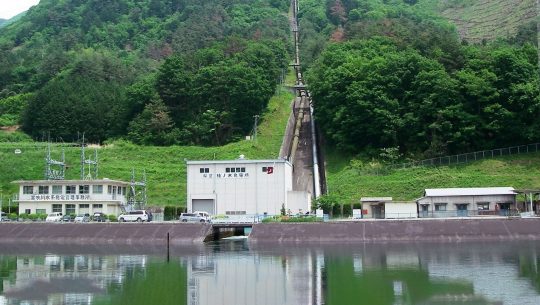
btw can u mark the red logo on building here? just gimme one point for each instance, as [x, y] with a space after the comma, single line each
[270, 170]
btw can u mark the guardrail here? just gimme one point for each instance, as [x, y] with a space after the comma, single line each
[237, 219]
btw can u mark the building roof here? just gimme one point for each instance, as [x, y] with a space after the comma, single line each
[236, 161]
[375, 199]
[471, 191]
[64, 182]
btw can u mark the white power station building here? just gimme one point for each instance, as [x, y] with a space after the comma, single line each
[244, 187]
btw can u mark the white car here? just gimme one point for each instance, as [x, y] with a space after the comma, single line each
[54, 217]
[136, 215]
[197, 216]
[82, 218]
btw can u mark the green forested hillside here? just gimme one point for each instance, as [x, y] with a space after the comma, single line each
[154, 72]
[393, 80]
[394, 75]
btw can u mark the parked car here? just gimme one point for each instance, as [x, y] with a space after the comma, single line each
[3, 217]
[82, 218]
[135, 215]
[99, 217]
[54, 217]
[68, 218]
[196, 216]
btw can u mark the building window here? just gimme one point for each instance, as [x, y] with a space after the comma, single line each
[28, 189]
[97, 189]
[71, 189]
[39, 211]
[84, 206]
[204, 170]
[235, 170]
[97, 206]
[109, 189]
[43, 189]
[57, 189]
[235, 212]
[84, 189]
[70, 209]
[124, 191]
[264, 169]
[483, 206]
[57, 208]
[27, 211]
[440, 206]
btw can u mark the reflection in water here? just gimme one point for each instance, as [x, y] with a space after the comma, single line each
[237, 273]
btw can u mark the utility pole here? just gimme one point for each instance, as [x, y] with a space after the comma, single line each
[256, 117]
[538, 31]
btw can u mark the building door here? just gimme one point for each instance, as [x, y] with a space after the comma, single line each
[462, 210]
[425, 210]
[376, 211]
[504, 208]
[205, 205]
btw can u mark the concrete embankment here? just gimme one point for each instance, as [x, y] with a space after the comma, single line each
[103, 233]
[438, 230]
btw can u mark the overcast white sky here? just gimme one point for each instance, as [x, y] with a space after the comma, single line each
[10, 8]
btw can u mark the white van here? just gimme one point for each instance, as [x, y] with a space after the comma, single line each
[54, 217]
[135, 215]
[197, 216]
[3, 216]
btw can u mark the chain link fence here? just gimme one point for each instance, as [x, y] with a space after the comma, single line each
[469, 157]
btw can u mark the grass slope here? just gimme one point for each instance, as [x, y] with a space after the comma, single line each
[165, 167]
[349, 183]
[480, 19]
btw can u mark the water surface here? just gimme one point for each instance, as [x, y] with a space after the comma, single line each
[240, 273]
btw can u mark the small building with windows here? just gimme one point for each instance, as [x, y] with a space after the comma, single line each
[244, 187]
[386, 208]
[462, 202]
[72, 196]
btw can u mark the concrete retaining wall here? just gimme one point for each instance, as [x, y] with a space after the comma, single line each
[155, 234]
[103, 233]
[450, 230]
[288, 135]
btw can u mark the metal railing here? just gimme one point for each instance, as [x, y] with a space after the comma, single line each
[237, 219]
[466, 213]
[470, 157]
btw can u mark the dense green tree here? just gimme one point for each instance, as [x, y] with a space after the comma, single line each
[153, 126]
[233, 87]
[174, 85]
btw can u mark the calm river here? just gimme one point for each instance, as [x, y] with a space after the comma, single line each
[240, 273]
